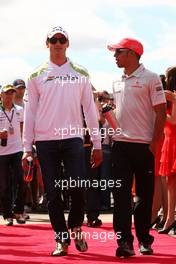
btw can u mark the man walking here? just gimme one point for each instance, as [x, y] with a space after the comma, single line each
[53, 118]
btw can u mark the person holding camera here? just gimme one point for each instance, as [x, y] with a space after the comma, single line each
[98, 195]
[11, 172]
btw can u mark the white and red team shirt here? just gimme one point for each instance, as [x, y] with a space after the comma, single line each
[54, 97]
[135, 96]
[14, 141]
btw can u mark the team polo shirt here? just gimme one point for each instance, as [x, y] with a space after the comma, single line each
[135, 96]
[54, 97]
[14, 141]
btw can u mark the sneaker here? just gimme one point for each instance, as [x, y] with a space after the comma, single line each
[20, 219]
[8, 221]
[61, 249]
[145, 249]
[79, 239]
[95, 223]
[26, 216]
[125, 250]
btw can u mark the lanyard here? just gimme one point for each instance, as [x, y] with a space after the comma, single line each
[9, 119]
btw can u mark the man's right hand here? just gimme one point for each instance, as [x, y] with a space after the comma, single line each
[3, 134]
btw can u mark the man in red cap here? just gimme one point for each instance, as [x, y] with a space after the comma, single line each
[140, 111]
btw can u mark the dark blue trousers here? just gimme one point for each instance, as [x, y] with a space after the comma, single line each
[51, 154]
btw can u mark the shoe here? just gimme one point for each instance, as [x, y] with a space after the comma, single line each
[95, 223]
[145, 249]
[79, 239]
[8, 221]
[155, 222]
[61, 249]
[167, 230]
[160, 225]
[125, 249]
[26, 216]
[20, 219]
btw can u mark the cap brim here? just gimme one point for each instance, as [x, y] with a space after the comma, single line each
[20, 85]
[9, 90]
[113, 47]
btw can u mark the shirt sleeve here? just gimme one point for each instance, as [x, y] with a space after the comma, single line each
[157, 91]
[31, 99]
[90, 113]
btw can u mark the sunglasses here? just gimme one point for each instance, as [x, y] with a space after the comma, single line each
[53, 40]
[119, 51]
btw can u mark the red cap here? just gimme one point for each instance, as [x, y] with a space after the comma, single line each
[128, 43]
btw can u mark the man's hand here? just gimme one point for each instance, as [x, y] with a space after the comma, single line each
[24, 158]
[96, 158]
[3, 134]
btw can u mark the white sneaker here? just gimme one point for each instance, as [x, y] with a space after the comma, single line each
[8, 221]
[79, 239]
[61, 249]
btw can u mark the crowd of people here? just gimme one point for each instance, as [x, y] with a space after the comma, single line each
[59, 122]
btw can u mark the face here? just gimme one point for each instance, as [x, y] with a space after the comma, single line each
[8, 97]
[105, 98]
[20, 92]
[58, 48]
[121, 56]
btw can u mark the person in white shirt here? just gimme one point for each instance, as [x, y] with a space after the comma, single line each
[11, 172]
[53, 119]
[140, 112]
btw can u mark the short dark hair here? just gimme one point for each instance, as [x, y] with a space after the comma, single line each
[171, 78]
[137, 55]
[163, 80]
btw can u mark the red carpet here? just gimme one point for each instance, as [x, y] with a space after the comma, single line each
[33, 243]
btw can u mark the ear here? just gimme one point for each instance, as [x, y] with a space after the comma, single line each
[68, 43]
[131, 52]
[47, 44]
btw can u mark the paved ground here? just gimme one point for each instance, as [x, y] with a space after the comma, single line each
[44, 219]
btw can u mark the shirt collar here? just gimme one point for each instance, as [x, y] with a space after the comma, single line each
[55, 65]
[13, 107]
[136, 73]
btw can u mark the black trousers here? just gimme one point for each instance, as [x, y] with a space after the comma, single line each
[50, 155]
[11, 184]
[92, 193]
[132, 159]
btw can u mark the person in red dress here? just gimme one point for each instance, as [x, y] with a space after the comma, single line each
[168, 152]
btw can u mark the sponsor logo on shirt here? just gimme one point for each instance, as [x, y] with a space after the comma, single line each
[67, 77]
[136, 85]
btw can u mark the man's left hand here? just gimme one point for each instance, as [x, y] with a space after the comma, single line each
[96, 158]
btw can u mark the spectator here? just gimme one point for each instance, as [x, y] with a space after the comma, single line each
[11, 120]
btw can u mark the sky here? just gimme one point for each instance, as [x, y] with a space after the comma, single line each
[91, 25]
